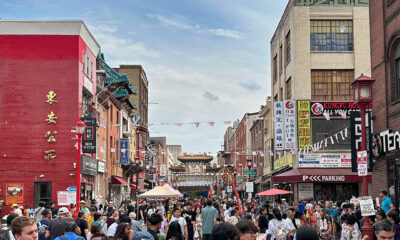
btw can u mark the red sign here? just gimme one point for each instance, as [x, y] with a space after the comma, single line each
[362, 157]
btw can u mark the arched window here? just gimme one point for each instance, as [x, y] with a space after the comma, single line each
[397, 71]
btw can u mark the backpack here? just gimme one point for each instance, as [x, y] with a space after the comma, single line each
[280, 231]
[4, 234]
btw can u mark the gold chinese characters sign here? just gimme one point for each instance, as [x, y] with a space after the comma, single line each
[283, 161]
[50, 135]
[304, 123]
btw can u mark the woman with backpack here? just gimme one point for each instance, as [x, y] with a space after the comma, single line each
[276, 227]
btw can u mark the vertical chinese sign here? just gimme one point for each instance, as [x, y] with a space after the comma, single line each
[50, 135]
[123, 151]
[89, 136]
[278, 115]
[290, 124]
[304, 123]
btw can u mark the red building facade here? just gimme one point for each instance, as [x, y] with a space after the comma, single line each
[44, 68]
[385, 64]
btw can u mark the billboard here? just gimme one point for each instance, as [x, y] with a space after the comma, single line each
[303, 123]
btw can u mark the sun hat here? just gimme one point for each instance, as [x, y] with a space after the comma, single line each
[63, 210]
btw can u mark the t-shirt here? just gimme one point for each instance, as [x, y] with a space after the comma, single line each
[181, 221]
[112, 229]
[42, 227]
[208, 214]
[301, 208]
[136, 226]
[38, 213]
[142, 209]
[386, 204]
[96, 222]
[89, 221]
[110, 221]
[189, 216]
[57, 227]
[82, 224]
[153, 233]
[289, 225]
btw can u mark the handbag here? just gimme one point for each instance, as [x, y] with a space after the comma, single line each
[196, 234]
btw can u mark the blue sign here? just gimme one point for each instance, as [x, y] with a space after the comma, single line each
[123, 151]
[71, 189]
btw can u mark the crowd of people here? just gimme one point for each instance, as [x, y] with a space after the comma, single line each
[203, 219]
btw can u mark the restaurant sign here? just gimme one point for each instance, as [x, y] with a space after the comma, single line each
[283, 161]
[88, 165]
[333, 108]
[89, 136]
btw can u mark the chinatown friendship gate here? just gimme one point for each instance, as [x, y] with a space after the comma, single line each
[194, 175]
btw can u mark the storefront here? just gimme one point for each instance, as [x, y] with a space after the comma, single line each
[88, 181]
[322, 184]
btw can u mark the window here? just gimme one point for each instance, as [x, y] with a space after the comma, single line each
[289, 88]
[332, 85]
[276, 98]
[83, 61]
[87, 65]
[331, 35]
[111, 114]
[280, 60]
[287, 44]
[396, 96]
[275, 68]
[91, 69]
[117, 117]
[281, 94]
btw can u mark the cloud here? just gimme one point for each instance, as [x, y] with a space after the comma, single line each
[251, 86]
[210, 96]
[180, 24]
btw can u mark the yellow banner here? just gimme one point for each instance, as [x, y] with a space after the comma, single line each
[283, 161]
[304, 123]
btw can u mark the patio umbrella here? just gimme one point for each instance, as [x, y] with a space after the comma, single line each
[159, 192]
[173, 189]
[274, 191]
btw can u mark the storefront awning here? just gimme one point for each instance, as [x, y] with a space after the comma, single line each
[118, 181]
[318, 175]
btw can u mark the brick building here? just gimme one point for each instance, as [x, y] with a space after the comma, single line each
[385, 64]
[47, 70]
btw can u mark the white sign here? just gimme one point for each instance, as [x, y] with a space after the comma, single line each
[367, 206]
[316, 160]
[278, 115]
[249, 187]
[362, 157]
[362, 169]
[309, 161]
[100, 166]
[64, 198]
[290, 124]
[229, 189]
[331, 160]
[306, 191]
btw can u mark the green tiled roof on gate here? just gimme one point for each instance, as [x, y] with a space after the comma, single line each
[131, 103]
[131, 88]
[121, 93]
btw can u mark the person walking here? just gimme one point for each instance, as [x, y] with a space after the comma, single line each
[176, 217]
[43, 224]
[276, 227]
[154, 225]
[57, 226]
[38, 211]
[262, 220]
[82, 223]
[70, 228]
[387, 204]
[190, 216]
[198, 233]
[174, 232]
[209, 217]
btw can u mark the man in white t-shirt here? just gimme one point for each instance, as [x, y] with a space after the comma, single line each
[113, 227]
[288, 222]
[182, 222]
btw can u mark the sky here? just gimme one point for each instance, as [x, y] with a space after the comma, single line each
[206, 60]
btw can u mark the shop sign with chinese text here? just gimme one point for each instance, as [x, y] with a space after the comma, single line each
[283, 161]
[278, 118]
[290, 124]
[303, 123]
[333, 108]
[123, 151]
[89, 136]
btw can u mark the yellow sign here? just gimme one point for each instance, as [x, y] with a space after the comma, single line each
[304, 123]
[50, 136]
[51, 118]
[283, 161]
[51, 155]
[50, 97]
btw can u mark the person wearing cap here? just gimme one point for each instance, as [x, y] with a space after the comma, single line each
[154, 225]
[387, 204]
[135, 225]
[84, 207]
[16, 210]
[56, 227]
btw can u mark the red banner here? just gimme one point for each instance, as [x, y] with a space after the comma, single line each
[237, 197]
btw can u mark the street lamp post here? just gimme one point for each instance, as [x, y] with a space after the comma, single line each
[363, 98]
[137, 187]
[80, 128]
